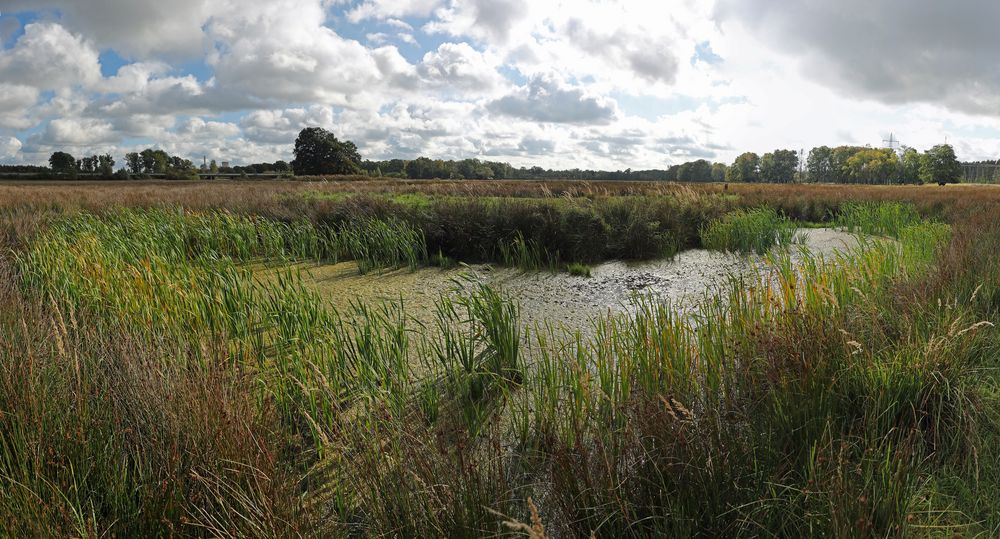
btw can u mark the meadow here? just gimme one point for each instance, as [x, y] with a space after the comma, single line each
[153, 383]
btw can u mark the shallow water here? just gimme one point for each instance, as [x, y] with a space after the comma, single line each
[557, 298]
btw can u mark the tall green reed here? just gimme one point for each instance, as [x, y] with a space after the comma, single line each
[748, 231]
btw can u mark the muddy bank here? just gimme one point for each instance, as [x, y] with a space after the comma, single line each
[556, 298]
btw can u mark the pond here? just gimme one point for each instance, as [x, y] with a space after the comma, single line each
[557, 298]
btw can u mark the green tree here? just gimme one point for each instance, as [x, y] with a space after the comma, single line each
[746, 168]
[719, 172]
[154, 161]
[684, 172]
[179, 168]
[873, 165]
[148, 161]
[818, 166]
[839, 171]
[909, 166]
[106, 165]
[940, 165]
[133, 161]
[779, 166]
[62, 163]
[695, 171]
[317, 152]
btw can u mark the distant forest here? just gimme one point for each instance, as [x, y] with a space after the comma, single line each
[318, 152]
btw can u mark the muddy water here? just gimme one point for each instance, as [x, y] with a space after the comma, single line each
[557, 298]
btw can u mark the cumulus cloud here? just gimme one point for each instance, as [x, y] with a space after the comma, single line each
[391, 10]
[9, 147]
[136, 27]
[77, 132]
[896, 51]
[49, 57]
[281, 126]
[546, 100]
[486, 20]
[648, 55]
[458, 66]
[133, 78]
[282, 52]
[152, 126]
[15, 100]
[200, 129]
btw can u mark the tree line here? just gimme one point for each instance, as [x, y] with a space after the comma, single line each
[318, 152]
[854, 164]
[137, 165]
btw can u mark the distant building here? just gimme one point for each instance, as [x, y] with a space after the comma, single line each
[225, 164]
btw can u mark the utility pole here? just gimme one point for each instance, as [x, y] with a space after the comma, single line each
[892, 141]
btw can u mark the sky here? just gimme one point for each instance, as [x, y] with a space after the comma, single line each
[592, 84]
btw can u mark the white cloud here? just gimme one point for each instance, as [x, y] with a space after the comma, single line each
[281, 52]
[78, 132]
[9, 147]
[392, 10]
[49, 57]
[281, 126]
[457, 66]
[546, 100]
[15, 100]
[647, 55]
[486, 20]
[136, 27]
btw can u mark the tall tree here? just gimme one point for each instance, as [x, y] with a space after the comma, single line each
[873, 165]
[62, 163]
[909, 166]
[105, 165]
[148, 161]
[940, 165]
[818, 166]
[838, 162]
[746, 168]
[317, 152]
[779, 166]
[719, 172]
[134, 163]
[695, 171]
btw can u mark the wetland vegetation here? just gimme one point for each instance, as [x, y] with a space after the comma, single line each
[168, 367]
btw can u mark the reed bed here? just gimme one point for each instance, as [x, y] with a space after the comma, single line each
[151, 384]
[877, 219]
[748, 231]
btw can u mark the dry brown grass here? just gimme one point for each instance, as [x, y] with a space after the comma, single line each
[248, 193]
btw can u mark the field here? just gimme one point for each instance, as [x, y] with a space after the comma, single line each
[169, 368]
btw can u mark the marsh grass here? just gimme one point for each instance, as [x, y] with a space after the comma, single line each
[377, 243]
[748, 231]
[150, 384]
[877, 219]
